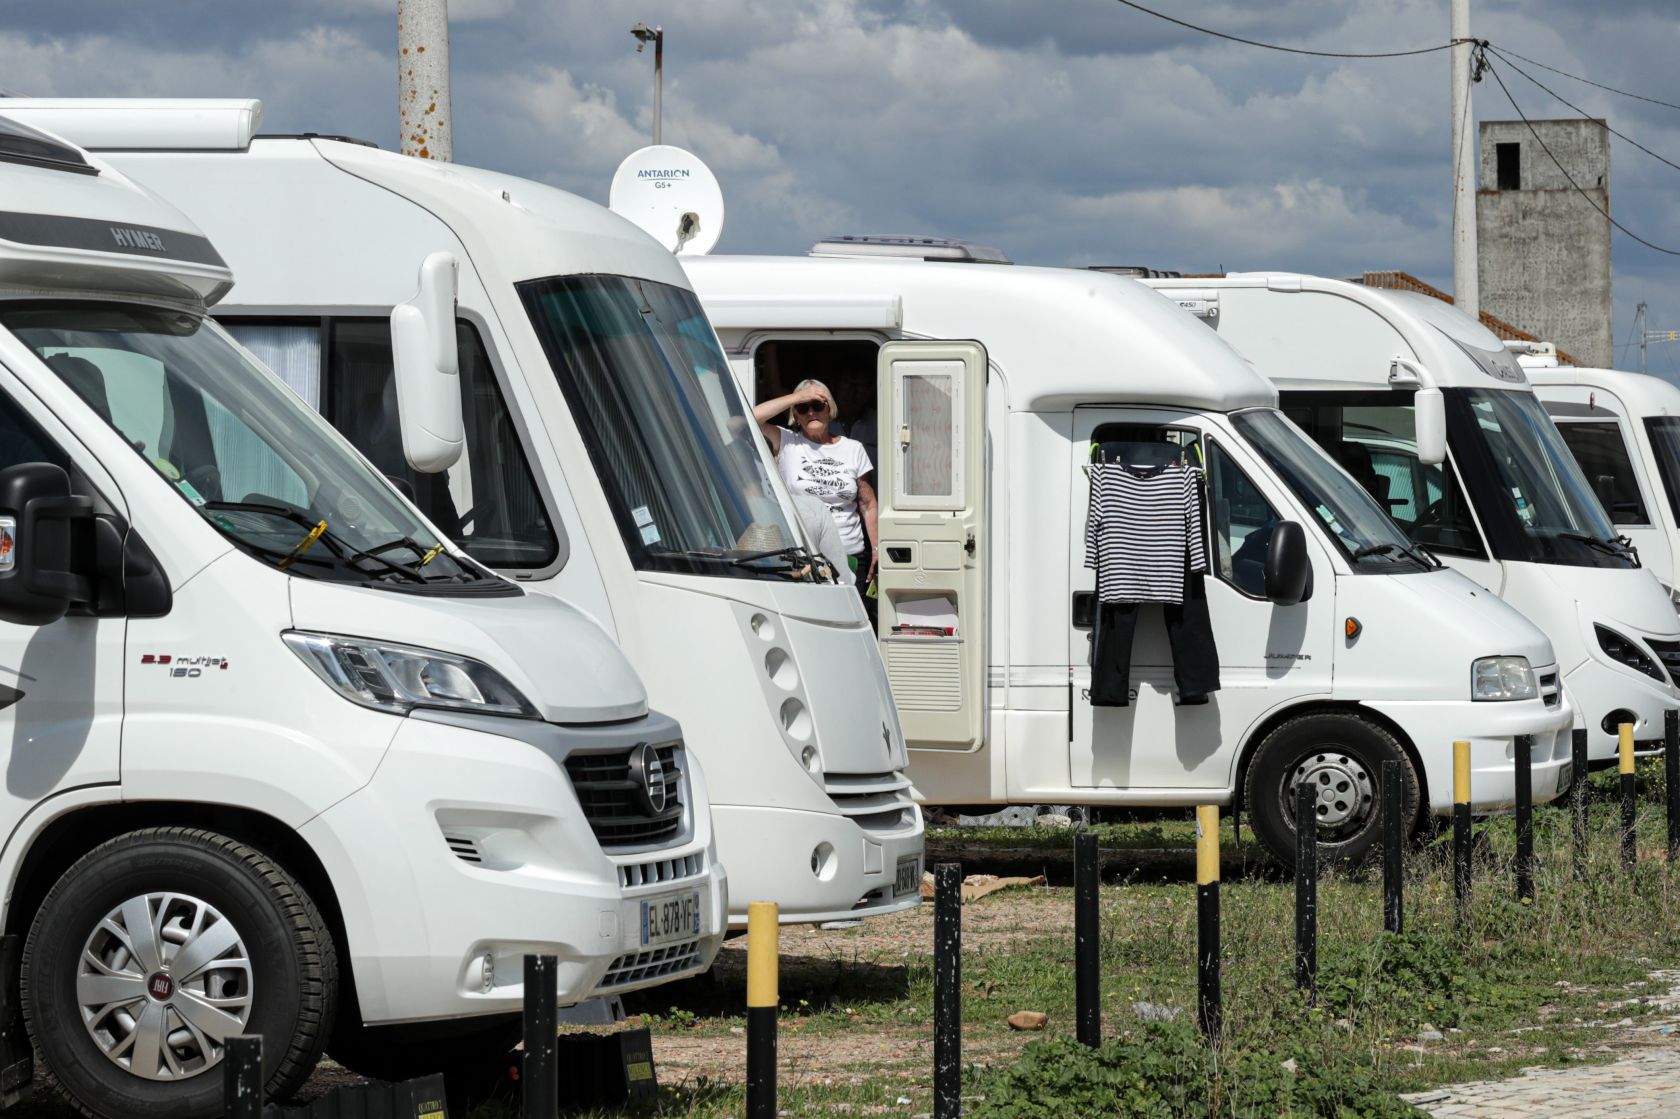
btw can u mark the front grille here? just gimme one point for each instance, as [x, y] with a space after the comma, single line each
[655, 963]
[613, 801]
[877, 802]
[1549, 690]
[661, 870]
[1669, 653]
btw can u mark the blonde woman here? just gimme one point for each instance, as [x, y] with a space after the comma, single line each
[831, 468]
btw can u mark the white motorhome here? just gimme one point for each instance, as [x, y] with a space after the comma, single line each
[607, 458]
[1339, 646]
[1497, 495]
[279, 760]
[1624, 429]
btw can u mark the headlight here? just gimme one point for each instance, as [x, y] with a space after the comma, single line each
[399, 678]
[1502, 678]
[1626, 651]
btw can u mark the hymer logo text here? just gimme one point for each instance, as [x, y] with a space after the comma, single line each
[131, 238]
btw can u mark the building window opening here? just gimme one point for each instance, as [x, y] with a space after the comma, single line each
[1509, 159]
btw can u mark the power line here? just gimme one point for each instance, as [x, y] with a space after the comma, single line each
[1491, 69]
[1607, 126]
[1276, 47]
[1589, 81]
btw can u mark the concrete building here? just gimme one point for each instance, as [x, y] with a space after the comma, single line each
[1543, 252]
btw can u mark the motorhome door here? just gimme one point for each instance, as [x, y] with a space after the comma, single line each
[931, 571]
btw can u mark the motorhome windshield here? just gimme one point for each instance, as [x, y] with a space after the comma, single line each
[1345, 512]
[1529, 484]
[676, 450]
[239, 447]
[1665, 443]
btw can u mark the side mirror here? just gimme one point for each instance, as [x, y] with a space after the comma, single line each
[43, 530]
[1604, 485]
[427, 370]
[1429, 410]
[1288, 566]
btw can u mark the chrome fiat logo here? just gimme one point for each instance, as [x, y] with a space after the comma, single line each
[650, 774]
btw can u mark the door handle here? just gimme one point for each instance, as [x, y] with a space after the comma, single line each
[1084, 609]
[898, 555]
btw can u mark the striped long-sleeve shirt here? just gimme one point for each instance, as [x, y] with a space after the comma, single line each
[1142, 526]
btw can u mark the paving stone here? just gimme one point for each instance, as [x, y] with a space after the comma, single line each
[1644, 1087]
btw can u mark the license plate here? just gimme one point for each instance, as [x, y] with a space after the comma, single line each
[670, 918]
[909, 878]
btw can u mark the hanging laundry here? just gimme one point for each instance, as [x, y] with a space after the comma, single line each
[1144, 538]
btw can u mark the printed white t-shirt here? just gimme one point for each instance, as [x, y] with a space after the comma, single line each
[828, 472]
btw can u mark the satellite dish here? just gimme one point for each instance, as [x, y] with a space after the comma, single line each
[672, 196]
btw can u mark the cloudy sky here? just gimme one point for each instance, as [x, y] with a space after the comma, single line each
[1063, 131]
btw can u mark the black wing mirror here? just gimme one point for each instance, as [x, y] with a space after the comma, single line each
[46, 540]
[1288, 566]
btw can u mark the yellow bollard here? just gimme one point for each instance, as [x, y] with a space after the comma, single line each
[1624, 762]
[1461, 829]
[763, 933]
[1208, 1011]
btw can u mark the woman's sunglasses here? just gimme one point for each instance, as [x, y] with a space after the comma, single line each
[809, 407]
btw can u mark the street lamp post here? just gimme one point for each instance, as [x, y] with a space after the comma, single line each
[656, 35]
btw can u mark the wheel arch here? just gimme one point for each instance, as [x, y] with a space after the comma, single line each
[65, 839]
[1325, 707]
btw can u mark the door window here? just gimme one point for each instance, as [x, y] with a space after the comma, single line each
[1241, 521]
[1604, 459]
[488, 502]
[22, 440]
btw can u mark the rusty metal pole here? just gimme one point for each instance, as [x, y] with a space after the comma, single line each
[423, 113]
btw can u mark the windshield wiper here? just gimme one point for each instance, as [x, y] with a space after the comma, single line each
[799, 555]
[342, 549]
[1382, 549]
[1608, 547]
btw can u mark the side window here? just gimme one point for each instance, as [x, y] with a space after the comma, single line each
[1241, 521]
[488, 501]
[1604, 459]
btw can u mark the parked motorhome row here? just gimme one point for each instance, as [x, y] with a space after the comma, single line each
[1375, 376]
[280, 758]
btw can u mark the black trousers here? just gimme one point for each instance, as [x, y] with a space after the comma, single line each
[1189, 633]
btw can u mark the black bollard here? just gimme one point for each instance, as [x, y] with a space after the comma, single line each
[1087, 940]
[1630, 793]
[764, 925]
[1461, 831]
[539, 1073]
[242, 1078]
[1208, 1009]
[1671, 779]
[1306, 890]
[1394, 919]
[1523, 745]
[1578, 798]
[947, 991]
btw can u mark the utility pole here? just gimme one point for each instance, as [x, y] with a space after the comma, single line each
[656, 35]
[423, 109]
[1647, 336]
[1466, 291]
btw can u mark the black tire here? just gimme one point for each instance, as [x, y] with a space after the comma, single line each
[1343, 754]
[292, 986]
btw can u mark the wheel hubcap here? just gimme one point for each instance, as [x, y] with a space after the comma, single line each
[1343, 789]
[164, 981]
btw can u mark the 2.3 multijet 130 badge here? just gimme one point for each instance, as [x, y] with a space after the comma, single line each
[184, 668]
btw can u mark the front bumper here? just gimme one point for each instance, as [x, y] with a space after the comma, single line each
[1597, 689]
[421, 917]
[1491, 729]
[816, 866]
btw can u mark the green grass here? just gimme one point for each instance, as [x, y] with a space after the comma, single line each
[1519, 985]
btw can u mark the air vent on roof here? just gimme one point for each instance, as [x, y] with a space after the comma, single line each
[1136, 271]
[915, 248]
[20, 143]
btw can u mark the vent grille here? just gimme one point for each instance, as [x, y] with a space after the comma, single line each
[612, 796]
[925, 674]
[875, 802]
[655, 963]
[661, 870]
[1669, 653]
[1550, 693]
[465, 848]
